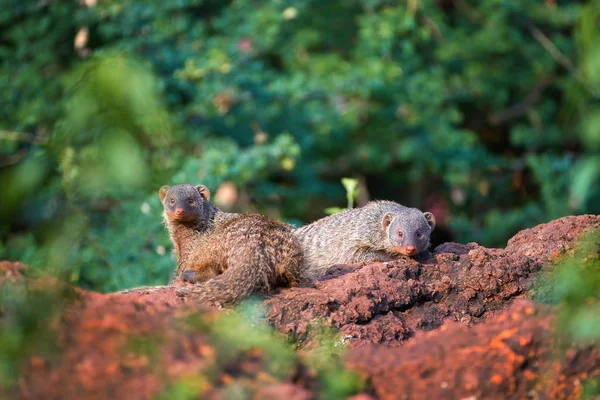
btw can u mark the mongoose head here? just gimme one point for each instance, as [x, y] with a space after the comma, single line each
[408, 232]
[184, 203]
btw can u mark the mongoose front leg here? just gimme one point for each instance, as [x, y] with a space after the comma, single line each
[204, 262]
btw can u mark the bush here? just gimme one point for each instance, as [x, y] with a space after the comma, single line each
[488, 108]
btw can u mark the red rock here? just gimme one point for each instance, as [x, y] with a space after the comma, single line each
[454, 324]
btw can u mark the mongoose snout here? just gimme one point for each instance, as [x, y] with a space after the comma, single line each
[409, 250]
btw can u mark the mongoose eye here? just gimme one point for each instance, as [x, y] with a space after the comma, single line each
[172, 200]
[400, 234]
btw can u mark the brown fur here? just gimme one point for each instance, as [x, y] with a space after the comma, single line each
[197, 217]
[233, 257]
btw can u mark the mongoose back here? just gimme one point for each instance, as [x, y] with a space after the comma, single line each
[378, 231]
[232, 258]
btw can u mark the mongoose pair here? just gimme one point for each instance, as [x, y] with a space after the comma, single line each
[254, 252]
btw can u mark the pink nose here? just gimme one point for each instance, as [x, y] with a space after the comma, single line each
[179, 211]
[411, 249]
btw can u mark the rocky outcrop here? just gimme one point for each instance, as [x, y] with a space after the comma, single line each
[512, 355]
[388, 303]
[454, 324]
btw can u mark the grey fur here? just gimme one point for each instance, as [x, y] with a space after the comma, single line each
[368, 233]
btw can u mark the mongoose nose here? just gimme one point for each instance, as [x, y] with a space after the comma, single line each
[411, 249]
[179, 211]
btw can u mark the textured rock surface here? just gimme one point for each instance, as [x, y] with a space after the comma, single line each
[389, 303]
[452, 325]
[512, 355]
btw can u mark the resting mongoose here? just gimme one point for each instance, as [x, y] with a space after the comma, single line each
[378, 231]
[234, 255]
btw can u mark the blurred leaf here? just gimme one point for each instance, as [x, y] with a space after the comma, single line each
[333, 210]
[591, 129]
[351, 186]
[586, 174]
[21, 182]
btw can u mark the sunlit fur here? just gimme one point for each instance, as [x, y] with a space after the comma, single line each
[231, 255]
[199, 216]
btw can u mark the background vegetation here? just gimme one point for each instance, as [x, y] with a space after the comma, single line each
[485, 112]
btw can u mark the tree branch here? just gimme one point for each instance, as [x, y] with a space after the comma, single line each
[520, 108]
[561, 58]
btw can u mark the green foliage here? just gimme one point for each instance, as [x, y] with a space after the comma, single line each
[243, 331]
[575, 286]
[591, 388]
[223, 160]
[351, 186]
[182, 389]
[27, 320]
[113, 110]
[490, 107]
[246, 330]
[336, 382]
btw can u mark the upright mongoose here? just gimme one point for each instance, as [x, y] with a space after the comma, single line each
[378, 231]
[232, 257]
[187, 213]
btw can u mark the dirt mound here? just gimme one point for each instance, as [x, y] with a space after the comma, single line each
[442, 326]
[388, 303]
[512, 355]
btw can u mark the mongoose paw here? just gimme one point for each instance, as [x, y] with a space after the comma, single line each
[182, 292]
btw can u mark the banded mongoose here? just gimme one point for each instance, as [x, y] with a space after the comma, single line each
[187, 212]
[232, 258]
[378, 231]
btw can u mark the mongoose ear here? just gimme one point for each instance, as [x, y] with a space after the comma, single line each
[387, 220]
[162, 193]
[430, 219]
[204, 192]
